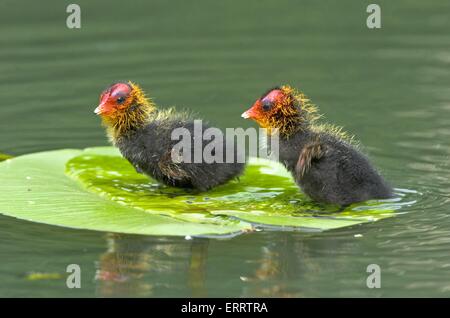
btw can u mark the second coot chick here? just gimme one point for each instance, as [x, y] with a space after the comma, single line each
[323, 161]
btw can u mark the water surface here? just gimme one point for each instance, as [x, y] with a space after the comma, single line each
[390, 87]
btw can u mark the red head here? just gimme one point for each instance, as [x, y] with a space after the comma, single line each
[123, 107]
[115, 98]
[277, 108]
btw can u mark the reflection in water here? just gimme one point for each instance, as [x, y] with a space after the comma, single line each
[122, 267]
[136, 266]
[273, 270]
[288, 266]
[197, 267]
[125, 268]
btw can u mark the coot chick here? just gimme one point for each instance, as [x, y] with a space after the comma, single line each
[143, 135]
[323, 160]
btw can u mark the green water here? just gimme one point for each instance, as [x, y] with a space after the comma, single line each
[390, 87]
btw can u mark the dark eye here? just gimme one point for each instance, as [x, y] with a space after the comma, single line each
[121, 99]
[266, 105]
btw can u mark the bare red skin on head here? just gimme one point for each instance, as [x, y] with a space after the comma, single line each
[108, 99]
[275, 95]
[256, 112]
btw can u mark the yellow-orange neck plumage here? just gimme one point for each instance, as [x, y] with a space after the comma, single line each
[133, 114]
[291, 114]
[307, 118]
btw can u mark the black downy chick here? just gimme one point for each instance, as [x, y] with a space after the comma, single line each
[143, 135]
[323, 162]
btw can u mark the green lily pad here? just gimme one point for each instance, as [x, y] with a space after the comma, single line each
[35, 188]
[97, 189]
